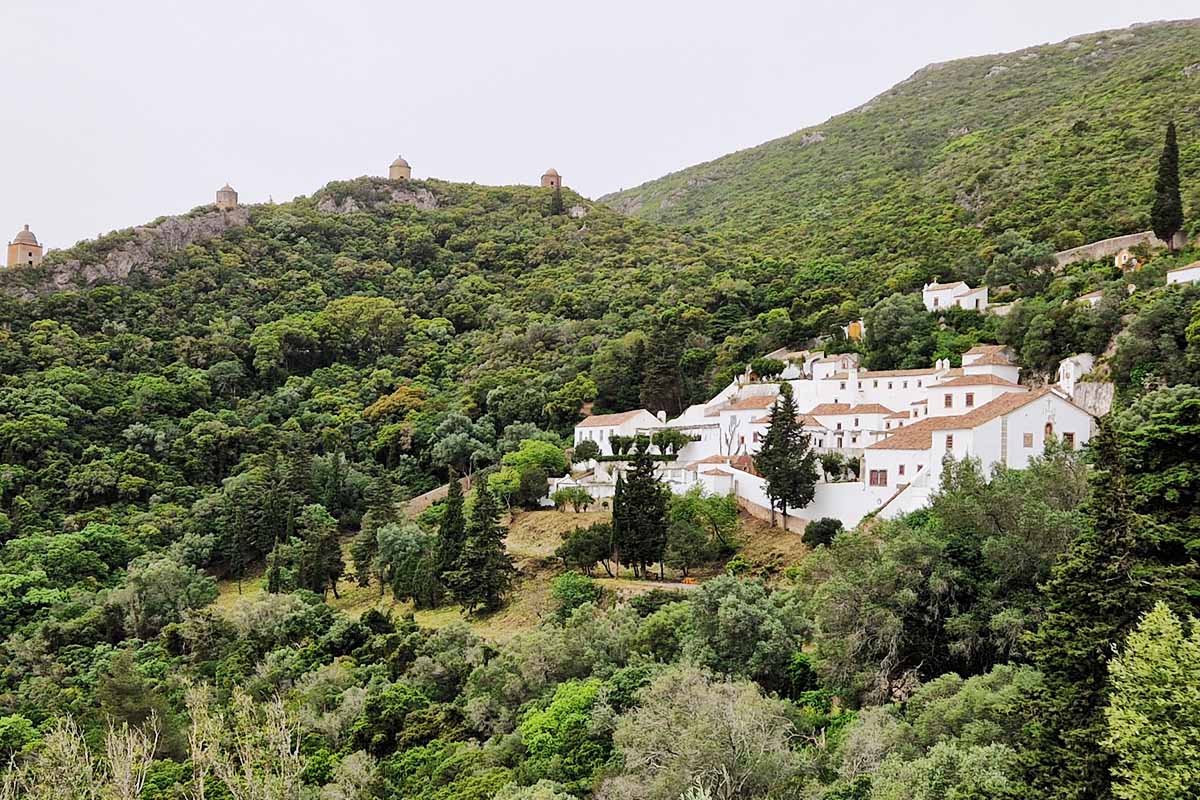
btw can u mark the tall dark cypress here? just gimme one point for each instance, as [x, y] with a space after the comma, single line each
[1166, 215]
[785, 459]
[452, 531]
[485, 571]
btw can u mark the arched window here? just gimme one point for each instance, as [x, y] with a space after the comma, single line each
[1049, 430]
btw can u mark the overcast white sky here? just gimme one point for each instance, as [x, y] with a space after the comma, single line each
[117, 112]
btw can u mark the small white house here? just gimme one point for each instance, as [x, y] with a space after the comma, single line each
[1071, 371]
[940, 296]
[600, 428]
[1188, 274]
[1091, 298]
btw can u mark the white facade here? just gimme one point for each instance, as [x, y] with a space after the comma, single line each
[600, 428]
[1071, 371]
[903, 423]
[940, 296]
[1188, 274]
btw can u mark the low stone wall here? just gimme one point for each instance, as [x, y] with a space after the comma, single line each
[423, 501]
[1110, 247]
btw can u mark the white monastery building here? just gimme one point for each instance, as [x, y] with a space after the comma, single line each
[902, 424]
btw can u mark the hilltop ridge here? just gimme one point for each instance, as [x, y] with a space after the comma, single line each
[1056, 141]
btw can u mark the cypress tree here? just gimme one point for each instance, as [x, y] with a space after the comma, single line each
[1113, 572]
[452, 531]
[641, 529]
[1166, 215]
[484, 572]
[620, 525]
[556, 202]
[785, 459]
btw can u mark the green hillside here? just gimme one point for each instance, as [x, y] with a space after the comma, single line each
[1056, 141]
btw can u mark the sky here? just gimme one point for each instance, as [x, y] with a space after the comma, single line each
[115, 113]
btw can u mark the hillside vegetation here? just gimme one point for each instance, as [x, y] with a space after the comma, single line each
[1057, 142]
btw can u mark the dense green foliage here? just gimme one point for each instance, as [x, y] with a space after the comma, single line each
[265, 401]
[1057, 142]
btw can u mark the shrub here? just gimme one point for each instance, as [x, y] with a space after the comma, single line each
[571, 590]
[587, 449]
[821, 531]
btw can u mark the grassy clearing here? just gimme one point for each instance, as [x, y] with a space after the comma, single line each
[532, 539]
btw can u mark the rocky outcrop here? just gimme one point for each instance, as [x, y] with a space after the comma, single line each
[143, 247]
[410, 196]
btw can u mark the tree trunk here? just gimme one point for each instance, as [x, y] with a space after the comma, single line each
[336, 596]
[785, 527]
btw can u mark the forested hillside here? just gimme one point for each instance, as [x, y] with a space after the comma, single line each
[211, 587]
[1057, 142]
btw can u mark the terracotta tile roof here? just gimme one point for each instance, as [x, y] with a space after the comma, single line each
[713, 459]
[605, 420]
[1192, 265]
[1100, 292]
[718, 472]
[919, 436]
[970, 291]
[994, 359]
[753, 402]
[899, 415]
[933, 287]
[980, 349]
[976, 380]
[870, 408]
[809, 421]
[827, 409]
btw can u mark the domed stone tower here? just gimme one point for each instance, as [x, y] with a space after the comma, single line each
[399, 170]
[551, 179]
[226, 198]
[24, 250]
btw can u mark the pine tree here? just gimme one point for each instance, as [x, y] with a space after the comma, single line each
[484, 571]
[785, 458]
[1166, 215]
[452, 531]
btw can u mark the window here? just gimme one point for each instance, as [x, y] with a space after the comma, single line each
[856, 422]
[878, 477]
[905, 386]
[948, 401]
[889, 384]
[1069, 441]
[918, 384]
[1028, 440]
[839, 426]
[949, 441]
[901, 469]
[887, 426]
[935, 302]
[842, 385]
[970, 399]
[853, 440]
[875, 384]
[1049, 430]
